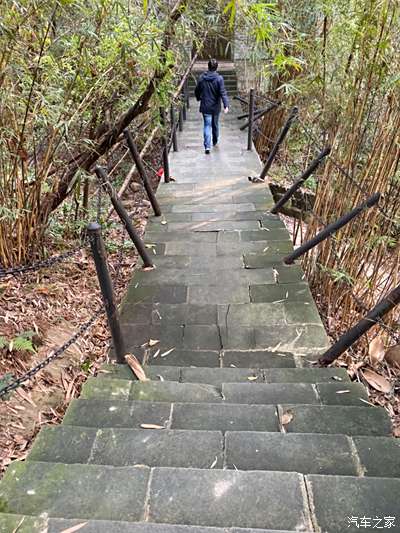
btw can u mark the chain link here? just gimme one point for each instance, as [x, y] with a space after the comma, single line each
[45, 263]
[33, 371]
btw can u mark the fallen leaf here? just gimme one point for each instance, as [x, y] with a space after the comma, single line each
[392, 356]
[136, 367]
[377, 381]
[151, 426]
[376, 350]
[167, 352]
[342, 391]
[252, 378]
[157, 353]
[337, 378]
[214, 462]
[153, 342]
[74, 528]
[163, 222]
[287, 417]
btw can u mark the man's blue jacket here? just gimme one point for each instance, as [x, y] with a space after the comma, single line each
[210, 89]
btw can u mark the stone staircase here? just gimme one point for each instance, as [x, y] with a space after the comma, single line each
[237, 429]
[229, 75]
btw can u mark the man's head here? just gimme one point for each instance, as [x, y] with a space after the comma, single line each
[212, 65]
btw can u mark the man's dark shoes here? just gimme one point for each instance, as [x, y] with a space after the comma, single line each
[215, 143]
[207, 151]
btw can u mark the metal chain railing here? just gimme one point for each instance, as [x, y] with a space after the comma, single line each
[33, 371]
[38, 265]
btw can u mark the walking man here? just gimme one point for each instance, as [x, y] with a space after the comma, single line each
[210, 90]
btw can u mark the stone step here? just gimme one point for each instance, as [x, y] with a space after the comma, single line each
[353, 504]
[10, 523]
[327, 419]
[129, 447]
[239, 393]
[161, 495]
[243, 450]
[209, 498]
[217, 376]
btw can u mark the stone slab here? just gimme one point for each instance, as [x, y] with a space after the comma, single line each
[168, 373]
[290, 292]
[197, 337]
[116, 414]
[264, 235]
[301, 339]
[302, 313]
[57, 525]
[341, 502]
[218, 376]
[218, 294]
[107, 389]
[257, 359]
[180, 236]
[338, 419]
[165, 293]
[304, 453]
[269, 393]
[183, 449]
[224, 417]
[197, 358]
[63, 444]
[252, 314]
[169, 391]
[379, 456]
[339, 394]
[307, 375]
[75, 491]
[227, 498]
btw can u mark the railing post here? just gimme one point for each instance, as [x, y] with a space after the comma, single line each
[180, 119]
[165, 147]
[107, 291]
[187, 95]
[142, 171]
[173, 129]
[250, 122]
[370, 320]
[331, 228]
[306, 174]
[183, 105]
[124, 216]
[278, 142]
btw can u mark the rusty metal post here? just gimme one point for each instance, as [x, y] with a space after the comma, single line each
[142, 171]
[124, 216]
[107, 290]
[278, 142]
[173, 129]
[250, 122]
[187, 94]
[180, 119]
[165, 147]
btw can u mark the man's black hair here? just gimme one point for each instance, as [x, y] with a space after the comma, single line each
[212, 65]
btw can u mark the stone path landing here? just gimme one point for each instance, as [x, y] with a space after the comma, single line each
[236, 431]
